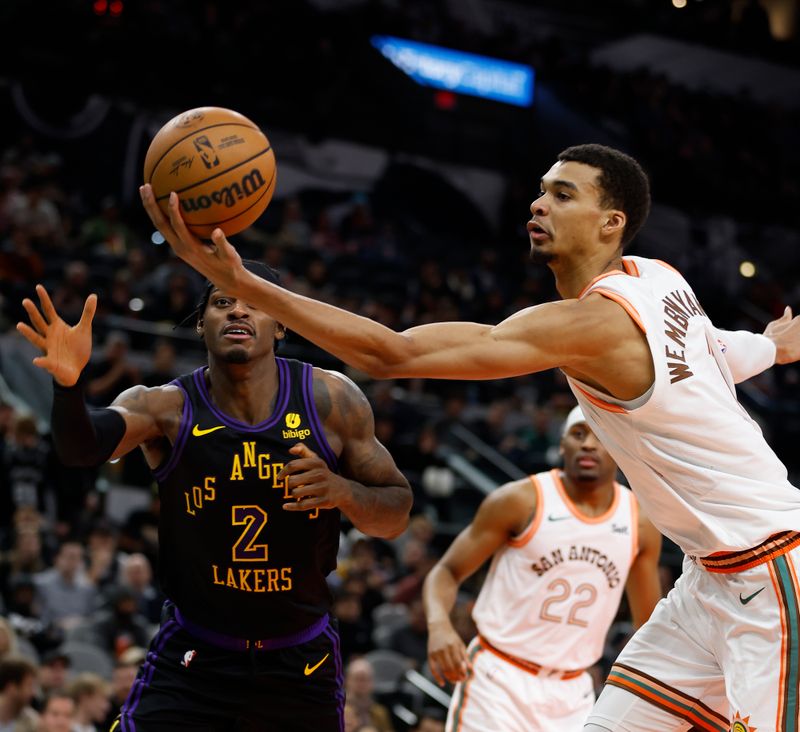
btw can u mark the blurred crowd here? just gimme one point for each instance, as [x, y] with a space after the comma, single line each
[78, 596]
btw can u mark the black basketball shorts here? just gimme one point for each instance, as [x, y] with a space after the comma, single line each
[269, 685]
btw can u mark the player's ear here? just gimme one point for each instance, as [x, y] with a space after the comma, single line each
[280, 331]
[199, 328]
[614, 222]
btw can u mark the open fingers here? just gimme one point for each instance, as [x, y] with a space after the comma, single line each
[34, 315]
[32, 336]
[89, 309]
[48, 309]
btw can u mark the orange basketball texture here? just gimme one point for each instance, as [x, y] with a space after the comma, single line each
[219, 163]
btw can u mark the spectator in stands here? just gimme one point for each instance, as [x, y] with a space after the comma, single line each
[24, 558]
[8, 640]
[58, 713]
[36, 213]
[101, 548]
[113, 372]
[28, 464]
[412, 640]
[163, 368]
[118, 626]
[122, 678]
[65, 593]
[137, 576]
[17, 689]
[359, 684]
[106, 234]
[416, 561]
[354, 629]
[140, 531]
[72, 291]
[294, 231]
[53, 673]
[90, 693]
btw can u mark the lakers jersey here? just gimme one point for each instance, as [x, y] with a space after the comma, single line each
[698, 463]
[553, 591]
[230, 557]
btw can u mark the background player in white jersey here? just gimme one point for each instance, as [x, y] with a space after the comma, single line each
[564, 543]
[639, 357]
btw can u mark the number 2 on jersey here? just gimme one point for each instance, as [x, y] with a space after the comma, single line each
[254, 518]
[583, 596]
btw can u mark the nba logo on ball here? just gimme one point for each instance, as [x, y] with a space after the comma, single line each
[220, 164]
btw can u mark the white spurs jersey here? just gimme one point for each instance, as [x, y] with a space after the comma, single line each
[697, 462]
[553, 591]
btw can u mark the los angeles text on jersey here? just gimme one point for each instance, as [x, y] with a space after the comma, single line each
[582, 554]
[678, 309]
[262, 579]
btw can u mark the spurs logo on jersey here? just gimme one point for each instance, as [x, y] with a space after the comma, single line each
[698, 463]
[552, 592]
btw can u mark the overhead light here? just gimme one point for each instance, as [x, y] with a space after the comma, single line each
[747, 269]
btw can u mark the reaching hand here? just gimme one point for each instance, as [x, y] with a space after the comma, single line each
[447, 655]
[216, 259]
[66, 348]
[785, 334]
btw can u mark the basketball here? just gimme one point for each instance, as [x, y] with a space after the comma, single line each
[220, 164]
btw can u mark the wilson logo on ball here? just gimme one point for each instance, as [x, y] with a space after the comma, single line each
[227, 195]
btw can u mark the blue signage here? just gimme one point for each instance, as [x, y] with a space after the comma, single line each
[456, 71]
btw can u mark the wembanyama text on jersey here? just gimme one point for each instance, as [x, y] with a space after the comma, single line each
[696, 460]
[552, 592]
[228, 552]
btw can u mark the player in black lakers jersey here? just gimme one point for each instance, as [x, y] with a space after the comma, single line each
[256, 457]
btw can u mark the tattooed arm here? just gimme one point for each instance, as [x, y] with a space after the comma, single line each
[369, 489]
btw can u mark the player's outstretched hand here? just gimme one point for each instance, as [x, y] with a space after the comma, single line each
[447, 655]
[216, 259]
[785, 334]
[65, 349]
[311, 482]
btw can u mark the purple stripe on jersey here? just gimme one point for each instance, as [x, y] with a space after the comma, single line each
[337, 654]
[259, 644]
[311, 408]
[148, 669]
[280, 402]
[183, 432]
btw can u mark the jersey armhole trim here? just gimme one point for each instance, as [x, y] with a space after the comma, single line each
[608, 406]
[620, 300]
[527, 534]
[162, 471]
[319, 431]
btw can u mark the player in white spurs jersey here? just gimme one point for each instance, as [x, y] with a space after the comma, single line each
[564, 544]
[657, 387]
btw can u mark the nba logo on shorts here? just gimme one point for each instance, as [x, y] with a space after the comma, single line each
[188, 657]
